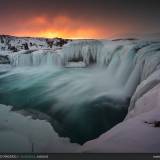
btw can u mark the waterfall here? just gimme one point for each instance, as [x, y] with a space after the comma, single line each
[35, 58]
[125, 63]
[91, 99]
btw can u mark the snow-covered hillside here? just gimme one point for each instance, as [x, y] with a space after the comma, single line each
[15, 44]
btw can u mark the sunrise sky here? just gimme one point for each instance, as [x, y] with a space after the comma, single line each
[79, 18]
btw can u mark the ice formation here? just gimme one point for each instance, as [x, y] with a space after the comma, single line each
[84, 88]
[34, 58]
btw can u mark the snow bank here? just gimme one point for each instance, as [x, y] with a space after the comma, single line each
[144, 87]
[134, 135]
[20, 134]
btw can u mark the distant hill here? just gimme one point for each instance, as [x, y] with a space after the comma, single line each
[134, 36]
[12, 43]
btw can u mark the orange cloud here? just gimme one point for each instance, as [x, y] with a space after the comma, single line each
[39, 20]
[60, 26]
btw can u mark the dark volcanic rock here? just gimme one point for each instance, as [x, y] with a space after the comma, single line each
[61, 42]
[4, 59]
[125, 39]
[157, 124]
[12, 48]
[154, 123]
[25, 46]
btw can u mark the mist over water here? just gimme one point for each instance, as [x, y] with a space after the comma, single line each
[70, 97]
[80, 103]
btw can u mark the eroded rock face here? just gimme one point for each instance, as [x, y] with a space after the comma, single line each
[4, 59]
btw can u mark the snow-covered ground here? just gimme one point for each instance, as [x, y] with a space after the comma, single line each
[19, 134]
[14, 44]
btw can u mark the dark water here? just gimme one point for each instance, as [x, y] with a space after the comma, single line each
[77, 101]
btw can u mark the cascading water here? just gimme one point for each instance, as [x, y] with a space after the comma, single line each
[35, 58]
[80, 103]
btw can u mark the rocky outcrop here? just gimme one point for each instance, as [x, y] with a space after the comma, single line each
[4, 59]
[15, 44]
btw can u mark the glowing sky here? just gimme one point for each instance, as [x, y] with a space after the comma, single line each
[79, 18]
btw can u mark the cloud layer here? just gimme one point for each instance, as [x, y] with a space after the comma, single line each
[78, 19]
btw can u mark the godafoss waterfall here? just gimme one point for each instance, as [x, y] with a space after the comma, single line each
[81, 90]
